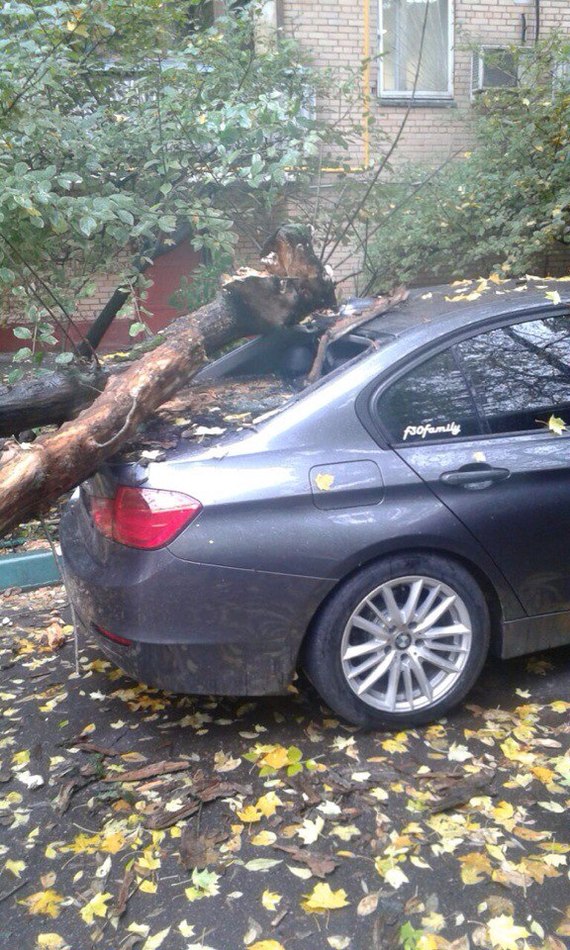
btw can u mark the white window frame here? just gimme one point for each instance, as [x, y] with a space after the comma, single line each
[418, 93]
[478, 67]
[561, 74]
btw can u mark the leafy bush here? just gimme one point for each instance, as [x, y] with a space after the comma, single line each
[503, 206]
[123, 126]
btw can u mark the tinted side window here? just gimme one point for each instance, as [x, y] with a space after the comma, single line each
[521, 374]
[429, 403]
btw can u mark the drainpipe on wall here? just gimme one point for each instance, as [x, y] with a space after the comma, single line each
[524, 21]
[365, 82]
[271, 22]
[268, 23]
[365, 93]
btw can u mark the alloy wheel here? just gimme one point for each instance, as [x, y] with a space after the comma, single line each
[406, 644]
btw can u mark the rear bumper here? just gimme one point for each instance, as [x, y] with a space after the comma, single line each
[195, 628]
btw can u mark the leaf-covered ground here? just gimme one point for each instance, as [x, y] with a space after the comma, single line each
[134, 818]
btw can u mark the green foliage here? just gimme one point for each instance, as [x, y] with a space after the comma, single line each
[503, 206]
[409, 936]
[202, 286]
[120, 124]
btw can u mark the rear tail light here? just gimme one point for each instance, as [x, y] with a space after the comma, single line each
[114, 637]
[102, 515]
[143, 518]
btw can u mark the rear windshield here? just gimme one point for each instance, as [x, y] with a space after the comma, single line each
[238, 390]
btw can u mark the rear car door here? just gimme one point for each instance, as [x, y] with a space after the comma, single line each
[473, 422]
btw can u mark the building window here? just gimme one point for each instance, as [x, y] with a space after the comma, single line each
[495, 67]
[416, 39]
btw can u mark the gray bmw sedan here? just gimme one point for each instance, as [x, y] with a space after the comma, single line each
[384, 528]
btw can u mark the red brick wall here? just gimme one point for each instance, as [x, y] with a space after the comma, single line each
[165, 274]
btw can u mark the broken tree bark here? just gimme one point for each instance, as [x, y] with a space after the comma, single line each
[351, 322]
[291, 284]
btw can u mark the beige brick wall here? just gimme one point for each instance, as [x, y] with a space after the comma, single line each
[86, 308]
[334, 30]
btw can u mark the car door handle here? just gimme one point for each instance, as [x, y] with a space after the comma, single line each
[475, 475]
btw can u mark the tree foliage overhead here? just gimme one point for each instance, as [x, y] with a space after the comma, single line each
[505, 204]
[124, 123]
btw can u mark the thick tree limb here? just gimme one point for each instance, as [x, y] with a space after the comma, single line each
[49, 399]
[291, 284]
[294, 282]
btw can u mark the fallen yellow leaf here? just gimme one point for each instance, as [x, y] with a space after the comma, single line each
[156, 941]
[264, 838]
[515, 753]
[249, 814]
[148, 887]
[503, 933]
[267, 945]
[20, 759]
[428, 942]
[270, 900]
[543, 774]
[345, 832]
[556, 425]
[554, 296]
[15, 867]
[322, 898]
[268, 804]
[394, 745]
[44, 902]
[503, 811]
[148, 862]
[433, 922]
[473, 866]
[96, 907]
[276, 758]
[50, 941]
[395, 877]
[564, 926]
[324, 481]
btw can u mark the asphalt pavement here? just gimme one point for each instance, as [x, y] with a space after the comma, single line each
[130, 817]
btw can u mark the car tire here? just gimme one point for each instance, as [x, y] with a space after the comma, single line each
[400, 643]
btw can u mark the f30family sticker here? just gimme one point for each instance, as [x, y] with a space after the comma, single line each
[448, 428]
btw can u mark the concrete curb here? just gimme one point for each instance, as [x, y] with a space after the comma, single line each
[28, 570]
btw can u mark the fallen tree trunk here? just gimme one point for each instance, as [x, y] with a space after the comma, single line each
[291, 284]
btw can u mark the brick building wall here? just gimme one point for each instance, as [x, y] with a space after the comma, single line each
[154, 310]
[341, 32]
